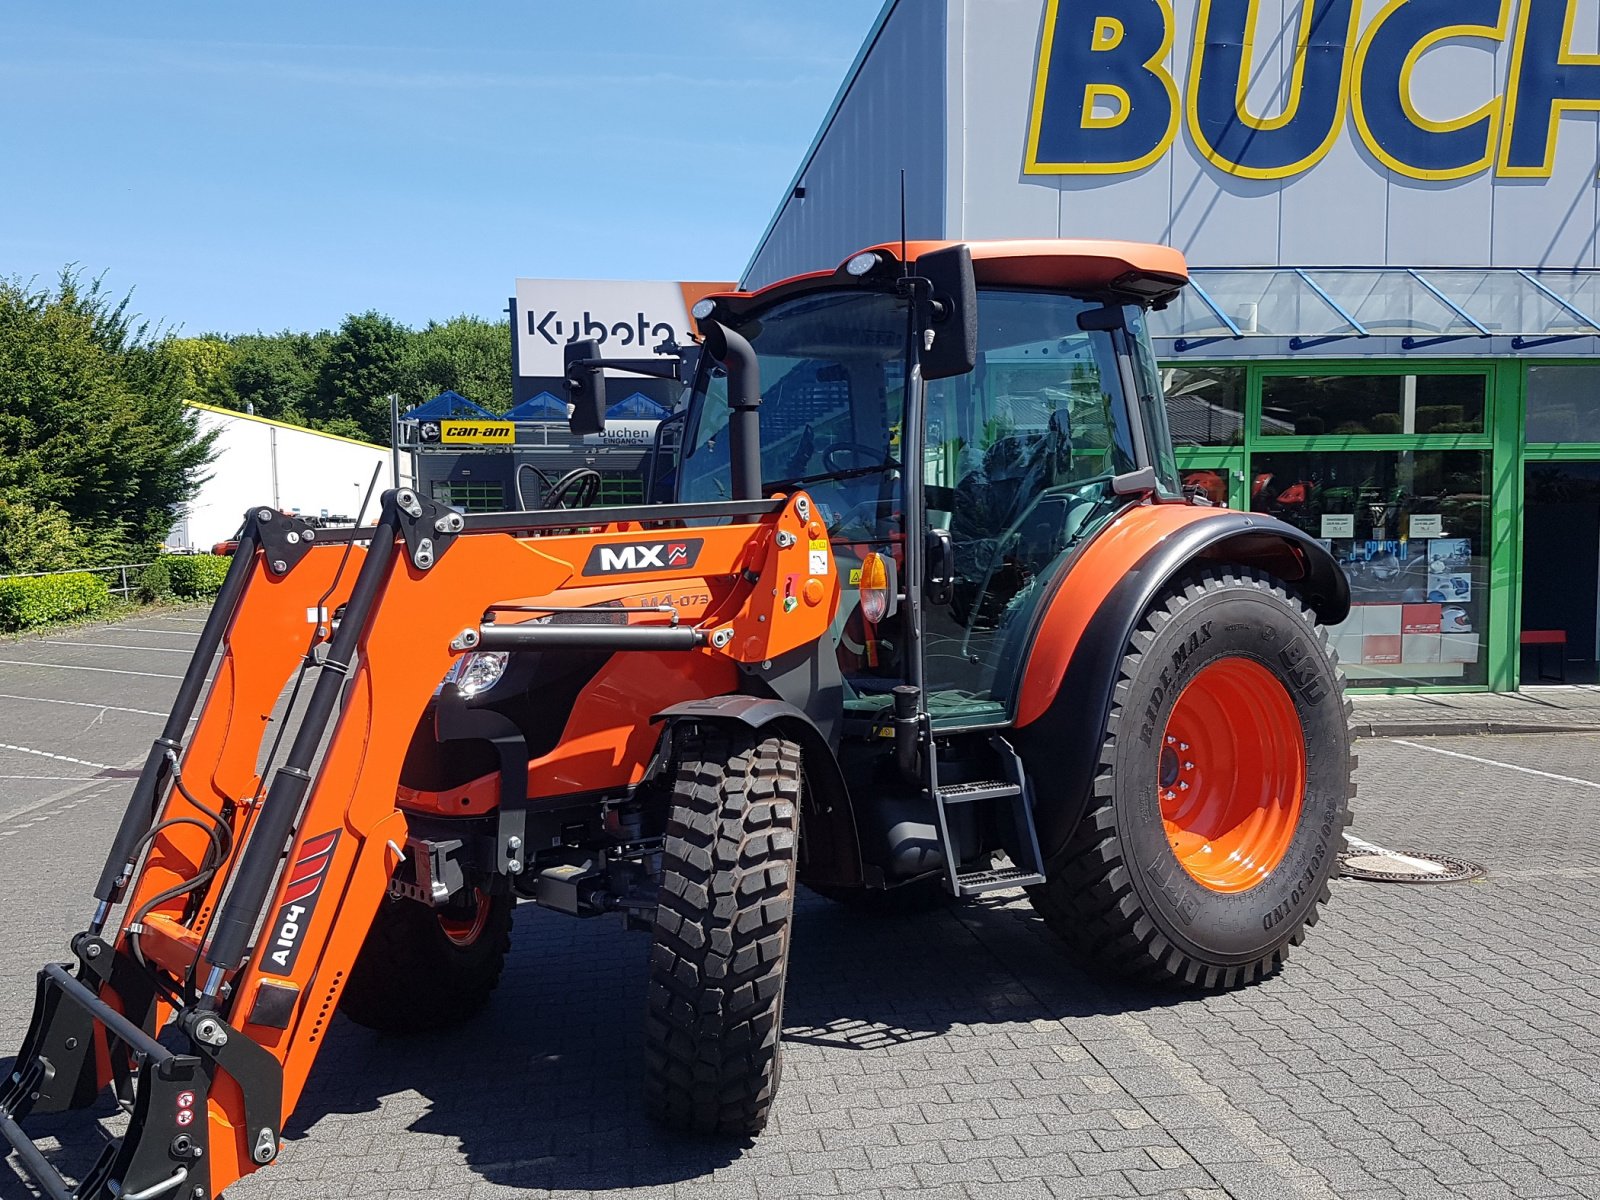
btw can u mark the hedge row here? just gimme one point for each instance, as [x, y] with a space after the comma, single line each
[184, 576]
[196, 576]
[25, 603]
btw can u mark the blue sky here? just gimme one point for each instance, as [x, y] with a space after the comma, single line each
[278, 165]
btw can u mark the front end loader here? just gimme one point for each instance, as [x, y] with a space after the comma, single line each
[928, 617]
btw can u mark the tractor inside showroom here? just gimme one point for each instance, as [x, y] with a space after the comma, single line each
[929, 616]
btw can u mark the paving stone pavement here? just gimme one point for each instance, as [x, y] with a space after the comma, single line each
[1571, 707]
[1435, 1041]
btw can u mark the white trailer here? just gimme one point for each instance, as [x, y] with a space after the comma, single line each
[268, 462]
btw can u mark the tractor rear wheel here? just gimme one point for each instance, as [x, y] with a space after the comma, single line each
[717, 966]
[423, 968]
[1223, 794]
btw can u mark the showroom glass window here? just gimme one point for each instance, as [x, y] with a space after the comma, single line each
[1205, 404]
[1410, 529]
[1563, 402]
[1379, 405]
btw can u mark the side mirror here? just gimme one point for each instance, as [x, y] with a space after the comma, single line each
[955, 313]
[586, 387]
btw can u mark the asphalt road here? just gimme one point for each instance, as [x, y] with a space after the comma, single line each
[1425, 1041]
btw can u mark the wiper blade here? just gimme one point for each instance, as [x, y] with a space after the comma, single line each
[852, 473]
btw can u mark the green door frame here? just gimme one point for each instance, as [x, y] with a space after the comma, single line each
[1230, 463]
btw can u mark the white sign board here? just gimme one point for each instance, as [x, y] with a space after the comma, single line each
[628, 319]
[1427, 525]
[1338, 525]
[624, 433]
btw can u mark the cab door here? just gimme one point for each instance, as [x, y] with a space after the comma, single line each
[1018, 459]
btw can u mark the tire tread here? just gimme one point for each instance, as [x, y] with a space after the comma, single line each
[1089, 899]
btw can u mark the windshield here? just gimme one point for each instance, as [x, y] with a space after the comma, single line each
[832, 390]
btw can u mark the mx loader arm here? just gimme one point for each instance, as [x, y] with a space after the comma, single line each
[257, 847]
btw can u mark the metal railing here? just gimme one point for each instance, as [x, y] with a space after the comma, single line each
[125, 586]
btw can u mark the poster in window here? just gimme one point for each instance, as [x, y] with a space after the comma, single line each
[1454, 587]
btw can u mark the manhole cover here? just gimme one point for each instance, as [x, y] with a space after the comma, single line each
[1408, 866]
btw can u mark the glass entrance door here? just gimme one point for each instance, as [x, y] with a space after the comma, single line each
[1560, 635]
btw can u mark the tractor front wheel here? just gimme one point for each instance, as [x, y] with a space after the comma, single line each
[717, 966]
[1223, 794]
[423, 968]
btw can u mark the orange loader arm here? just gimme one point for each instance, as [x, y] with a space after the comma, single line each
[256, 850]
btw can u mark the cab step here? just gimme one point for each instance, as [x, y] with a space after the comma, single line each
[976, 883]
[971, 793]
[1026, 865]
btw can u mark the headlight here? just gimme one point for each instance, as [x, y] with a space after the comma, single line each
[474, 674]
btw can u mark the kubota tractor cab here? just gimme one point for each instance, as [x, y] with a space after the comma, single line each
[928, 616]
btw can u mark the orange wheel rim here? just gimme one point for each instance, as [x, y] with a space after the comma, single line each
[464, 931]
[1232, 774]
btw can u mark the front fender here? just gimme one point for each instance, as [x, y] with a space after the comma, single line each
[830, 847]
[1064, 701]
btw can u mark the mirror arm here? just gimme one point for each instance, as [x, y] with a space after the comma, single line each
[653, 367]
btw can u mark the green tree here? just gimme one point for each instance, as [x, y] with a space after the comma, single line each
[365, 362]
[275, 375]
[466, 355]
[205, 366]
[92, 420]
[36, 536]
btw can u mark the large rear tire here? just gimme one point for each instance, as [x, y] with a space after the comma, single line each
[422, 969]
[1223, 793]
[717, 967]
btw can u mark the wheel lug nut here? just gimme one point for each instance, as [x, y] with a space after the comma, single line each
[1171, 741]
[1184, 746]
[1188, 766]
[1183, 787]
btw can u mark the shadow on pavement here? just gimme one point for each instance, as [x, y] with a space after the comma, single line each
[543, 1090]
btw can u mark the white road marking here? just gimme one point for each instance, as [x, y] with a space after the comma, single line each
[160, 632]
[50, 778]
[143, 712]
[1421, 864]
[114, 646]
[51, 666]
[1491, 762]
[82, 762]
[186, 620]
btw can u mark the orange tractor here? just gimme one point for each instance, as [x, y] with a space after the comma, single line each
[927, 616]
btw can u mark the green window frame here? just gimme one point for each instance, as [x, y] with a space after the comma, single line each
[1501, 440]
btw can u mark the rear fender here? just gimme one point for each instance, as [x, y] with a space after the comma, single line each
[830, 851]
[1065, 697]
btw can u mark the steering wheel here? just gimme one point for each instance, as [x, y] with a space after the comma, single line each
[865, 456]
[576, 489]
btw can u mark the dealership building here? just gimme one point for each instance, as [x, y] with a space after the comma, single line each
[1391, 215]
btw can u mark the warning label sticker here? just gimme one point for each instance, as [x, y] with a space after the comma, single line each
[819, 556]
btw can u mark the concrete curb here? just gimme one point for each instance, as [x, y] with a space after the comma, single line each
[1465, 727]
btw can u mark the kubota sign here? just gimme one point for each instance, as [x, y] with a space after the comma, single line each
[1116, 85]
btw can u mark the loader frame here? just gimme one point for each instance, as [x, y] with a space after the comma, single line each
[248, 883]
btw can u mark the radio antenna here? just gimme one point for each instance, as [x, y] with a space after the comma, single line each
[905, 267]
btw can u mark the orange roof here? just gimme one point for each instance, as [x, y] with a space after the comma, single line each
[1068, 263]
[1064, 264]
